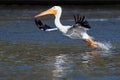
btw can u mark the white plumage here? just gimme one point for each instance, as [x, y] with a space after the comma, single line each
[77, 31]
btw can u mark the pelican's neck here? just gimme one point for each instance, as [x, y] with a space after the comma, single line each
[57, 20]
[58, 23]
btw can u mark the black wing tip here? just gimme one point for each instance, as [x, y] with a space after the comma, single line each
[38, 21]
[81, 21]
[40, 25]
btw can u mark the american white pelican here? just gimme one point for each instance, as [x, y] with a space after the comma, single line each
[76, 31]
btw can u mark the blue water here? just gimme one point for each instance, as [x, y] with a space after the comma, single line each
[26, 53]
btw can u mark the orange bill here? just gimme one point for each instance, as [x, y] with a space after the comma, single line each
[49, 11]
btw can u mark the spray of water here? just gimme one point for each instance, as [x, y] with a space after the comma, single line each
[104, 45]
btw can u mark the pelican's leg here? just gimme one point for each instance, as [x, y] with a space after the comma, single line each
[90, 42]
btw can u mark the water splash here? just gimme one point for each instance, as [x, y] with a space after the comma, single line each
[104, 45]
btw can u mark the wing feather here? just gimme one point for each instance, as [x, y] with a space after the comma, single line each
[41, 26]
[80, 21]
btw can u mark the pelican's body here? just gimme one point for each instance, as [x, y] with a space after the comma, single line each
[76, 31]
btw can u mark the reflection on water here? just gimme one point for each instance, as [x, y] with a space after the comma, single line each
[31, 60]
[27, 53]
[61, 66]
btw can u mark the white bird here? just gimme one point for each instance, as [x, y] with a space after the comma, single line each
[76, 31]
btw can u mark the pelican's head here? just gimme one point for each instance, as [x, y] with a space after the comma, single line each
[54, 10]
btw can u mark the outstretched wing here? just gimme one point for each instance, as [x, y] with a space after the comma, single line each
[80, 21]
[41, 26]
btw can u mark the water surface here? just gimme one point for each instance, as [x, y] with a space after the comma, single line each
[26, 53]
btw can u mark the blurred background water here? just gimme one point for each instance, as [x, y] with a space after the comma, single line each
[26, 53]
